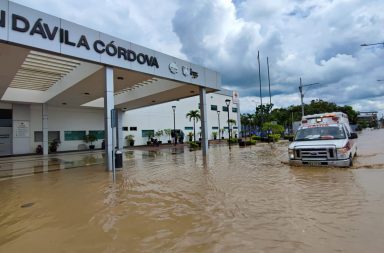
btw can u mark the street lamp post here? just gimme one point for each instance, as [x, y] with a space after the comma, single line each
[302, 95]
[218, 120]
[227, 102]
[174, 124]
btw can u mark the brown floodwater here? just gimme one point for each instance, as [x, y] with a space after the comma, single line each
[242, 200]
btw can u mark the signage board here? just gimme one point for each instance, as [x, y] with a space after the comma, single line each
[20, 128]
[235, 97]
[25, 26]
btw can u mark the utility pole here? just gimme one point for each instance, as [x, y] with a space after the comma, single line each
[269, 84]
[302, 95]
[218, 120]
[261, 97]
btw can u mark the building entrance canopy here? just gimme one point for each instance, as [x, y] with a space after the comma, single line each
[45, 59]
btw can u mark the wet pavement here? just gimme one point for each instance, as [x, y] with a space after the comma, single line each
[174, 200]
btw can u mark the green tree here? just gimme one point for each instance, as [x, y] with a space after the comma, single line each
[282, 116]
[263, 113]
[168, 132]
[320, 106]
[285, 116]
[232, 123]
[195, 115]
[159, 133]
[275, 128]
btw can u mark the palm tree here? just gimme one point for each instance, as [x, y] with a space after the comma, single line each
[231, 122]
[195, 115]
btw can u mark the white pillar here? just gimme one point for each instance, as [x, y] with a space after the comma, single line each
[203, 118]
[120, 137]
[109, 104]
[44, 113]
[240, 134]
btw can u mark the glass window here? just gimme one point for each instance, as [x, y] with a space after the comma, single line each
[125, 128]
[147, 133]
[98, 133]
[73, 135]
[234, 109]
[5, 118]
[188, 128]
[225, 108]
[213, 107]
[320, 133]
[215, 128]
[38, 136]
[132, 128]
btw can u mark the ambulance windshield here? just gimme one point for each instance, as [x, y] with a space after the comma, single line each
[314, 132]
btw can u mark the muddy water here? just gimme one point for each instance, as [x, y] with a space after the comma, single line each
[242, 200]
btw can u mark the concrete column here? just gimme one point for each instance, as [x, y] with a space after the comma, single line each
[45, 128]
[203, 118]
[240, 134]
[120, 137]
[109, 104]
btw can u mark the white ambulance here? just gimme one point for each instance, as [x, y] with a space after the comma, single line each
[324, 140]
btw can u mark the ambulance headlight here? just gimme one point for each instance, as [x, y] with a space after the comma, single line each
[291, 154]
[343, 153]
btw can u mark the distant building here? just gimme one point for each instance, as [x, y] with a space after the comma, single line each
[367, 119]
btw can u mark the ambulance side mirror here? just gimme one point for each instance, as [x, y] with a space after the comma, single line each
[353, 136]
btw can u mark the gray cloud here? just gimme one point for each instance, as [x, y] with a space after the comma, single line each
[318, 40]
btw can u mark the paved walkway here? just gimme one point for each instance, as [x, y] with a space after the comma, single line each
[23, 165]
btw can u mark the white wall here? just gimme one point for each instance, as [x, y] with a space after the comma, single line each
[160, 117]
[21, 114]
[67, 119]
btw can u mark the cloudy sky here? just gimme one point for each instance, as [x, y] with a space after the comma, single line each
[317, 40]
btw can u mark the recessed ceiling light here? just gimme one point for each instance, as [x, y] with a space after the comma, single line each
[153, 101]
[120, 78]
[86, 93]
[63, 103]
[192, 91]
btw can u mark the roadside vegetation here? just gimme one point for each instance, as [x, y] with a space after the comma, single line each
[273, 123]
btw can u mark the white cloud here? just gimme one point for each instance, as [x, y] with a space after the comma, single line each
[318, 40]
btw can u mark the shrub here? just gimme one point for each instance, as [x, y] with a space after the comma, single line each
[251, 142]
[274, 137]
[288, 136]
[233, 140]
[89, 138]
[256, 138]
[275, 128]
[193, 145]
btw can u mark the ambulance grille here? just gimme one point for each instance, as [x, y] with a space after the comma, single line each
[315, 153]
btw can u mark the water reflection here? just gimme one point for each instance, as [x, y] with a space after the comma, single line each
[27, 166]
[242, 200]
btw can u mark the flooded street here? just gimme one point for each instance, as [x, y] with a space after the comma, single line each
[242, 200]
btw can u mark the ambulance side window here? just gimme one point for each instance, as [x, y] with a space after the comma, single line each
[347, 132]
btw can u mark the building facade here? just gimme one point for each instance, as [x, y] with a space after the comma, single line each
[60, 80]
[21, 126]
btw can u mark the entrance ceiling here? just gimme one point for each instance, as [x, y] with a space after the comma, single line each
[29, 76]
